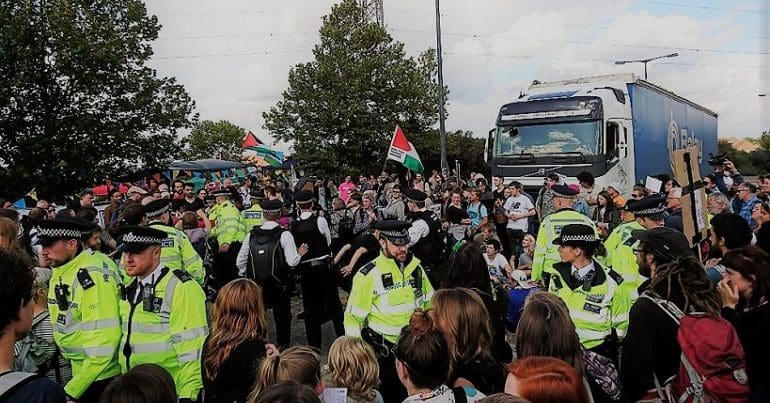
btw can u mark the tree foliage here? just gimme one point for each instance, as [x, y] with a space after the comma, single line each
[461, 146]
[756, 162]
[209, 139]
[77, 102]
[341, 108]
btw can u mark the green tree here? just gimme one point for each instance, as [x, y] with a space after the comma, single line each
[77, 101]
[341, 109]
[461, 147]
[209, 139]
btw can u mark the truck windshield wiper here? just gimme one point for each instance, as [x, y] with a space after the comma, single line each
[569, 156]
[524, 157]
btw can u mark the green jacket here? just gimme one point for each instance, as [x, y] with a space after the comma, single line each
[178, 253]
[384, 296]
[87, 326]
[546, 253]
[226, 223]
[595, 310]
[168, 330]
[251, 217]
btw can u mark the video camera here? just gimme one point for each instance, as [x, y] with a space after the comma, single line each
[717, 160]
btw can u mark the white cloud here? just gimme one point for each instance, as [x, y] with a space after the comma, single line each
[491, 53]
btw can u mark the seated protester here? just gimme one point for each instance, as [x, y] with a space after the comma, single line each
[527, 254]
[423, 364]
[728, 231]
[499, 269]
[503, 398]
[237, 343]
[650, 348]
[353, 366]
[744, 292]
[142, 383]
[461, 316]
[545, 380]
[546, 329]
[522, 288]
[467, 268]
[288, 392]
[16, 310]
[486, 233]
[299, 363]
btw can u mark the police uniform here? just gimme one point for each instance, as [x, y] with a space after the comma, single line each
[620, 247]
[226, 229]
[320, 297]
[164, 318]
[252, 216]
[177, 252]
[275, 281]
[425, 232]
[384, 295]
[546, 253]
[590, 293]
[106, 262]
[83, 307]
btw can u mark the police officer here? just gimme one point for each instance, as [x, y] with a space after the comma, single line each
[589, 290]
[266, 256]
[319, 289]
[83, 306]
[163, 313]
[227, 230]
[177, 251]
[385, 292]
[546, 253]
[425, 232]
[252, 216]
[645, 213]
[91, 244]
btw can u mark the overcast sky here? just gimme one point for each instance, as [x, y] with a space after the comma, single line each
[233, 56]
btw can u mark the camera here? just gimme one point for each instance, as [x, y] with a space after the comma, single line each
[717, 160]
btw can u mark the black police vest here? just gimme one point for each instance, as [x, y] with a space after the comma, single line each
[427, 248]
[306, 231]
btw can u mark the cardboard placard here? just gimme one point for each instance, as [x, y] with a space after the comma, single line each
[694, 213]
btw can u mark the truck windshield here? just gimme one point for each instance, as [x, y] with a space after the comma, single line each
[553, 138]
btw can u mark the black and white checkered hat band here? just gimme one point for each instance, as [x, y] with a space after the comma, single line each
[159, 211]
[578, 238]
[394, 234]
[565, 196]
[147, 240]
[59, 233]
[660, 209]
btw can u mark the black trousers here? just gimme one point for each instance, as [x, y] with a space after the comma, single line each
[224, 266]
[515, 236]
[321, 301]
[502, 233]
[94, 391]
[278, 298]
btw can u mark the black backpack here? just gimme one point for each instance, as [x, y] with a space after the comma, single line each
[266, 257]
[346, 226]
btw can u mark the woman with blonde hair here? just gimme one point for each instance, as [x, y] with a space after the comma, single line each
[9, 234]
[300, 363]
[237, 344]
[461, 316]
[353, 365]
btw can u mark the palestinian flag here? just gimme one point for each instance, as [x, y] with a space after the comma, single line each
[253, 146]
[403, 151]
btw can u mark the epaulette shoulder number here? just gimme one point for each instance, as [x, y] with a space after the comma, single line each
[85, 280]
[183, 275]
[615, 276]
[367, 268]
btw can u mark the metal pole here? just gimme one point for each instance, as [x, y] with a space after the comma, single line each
[441, 113]
[645, 70]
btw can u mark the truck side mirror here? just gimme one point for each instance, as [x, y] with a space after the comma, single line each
[490, 145]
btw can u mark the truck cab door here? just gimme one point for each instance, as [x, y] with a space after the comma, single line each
[490, 146]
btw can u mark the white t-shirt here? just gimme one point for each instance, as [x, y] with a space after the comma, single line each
[496, 266]
[518, 205]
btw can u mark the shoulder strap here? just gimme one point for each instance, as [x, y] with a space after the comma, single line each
[182, 275]
[615, 276]
[667, 306]
[367, 268]
[460, 396]
[10, 381]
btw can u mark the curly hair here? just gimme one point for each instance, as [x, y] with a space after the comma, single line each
[687, 274]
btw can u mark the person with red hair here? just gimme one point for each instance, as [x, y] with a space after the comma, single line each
[545, 380]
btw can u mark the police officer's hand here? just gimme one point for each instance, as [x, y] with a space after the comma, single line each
[224, 248]
[302, 249]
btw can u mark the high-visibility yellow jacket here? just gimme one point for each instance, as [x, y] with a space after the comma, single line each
[546, 253]
[87, 325]
[177, 253]
[593, 304]
[384, 296]
[620, 256]
[251, 217]
[108, 263]
[167, 328]
[225, 219]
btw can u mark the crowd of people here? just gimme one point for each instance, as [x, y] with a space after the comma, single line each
[454, 290]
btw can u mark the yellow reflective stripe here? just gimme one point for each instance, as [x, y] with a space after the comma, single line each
[88, 351]
[190, 334]
[623, 317]
[85, 326]
[170, 258]
[191, 261]
[587, 335]
[189, 356]
[386, 330]
[590, 317]
[358, 312]
[352, 331]
[151, 328]
[396, 309]
[149, 348]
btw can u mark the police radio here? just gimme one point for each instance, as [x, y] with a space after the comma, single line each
[61, 291]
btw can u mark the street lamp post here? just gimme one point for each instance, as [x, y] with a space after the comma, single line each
[645, 61]
[441, 113]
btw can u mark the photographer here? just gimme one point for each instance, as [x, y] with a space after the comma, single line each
[726, 175]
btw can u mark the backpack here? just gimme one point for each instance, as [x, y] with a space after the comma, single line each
[11, 381]
[266, 256]
[712, 364]
[602, 372]
[31, 355]
[346, 226]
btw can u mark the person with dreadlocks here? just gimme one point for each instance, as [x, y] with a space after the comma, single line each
[650, 349]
